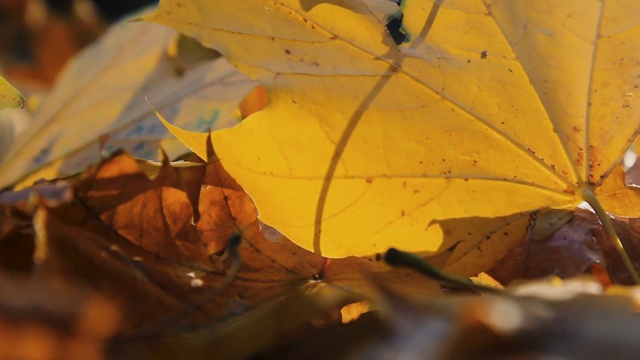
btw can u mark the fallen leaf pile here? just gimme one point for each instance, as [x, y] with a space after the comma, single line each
[164, 276]
[133, 239]
[463, 133]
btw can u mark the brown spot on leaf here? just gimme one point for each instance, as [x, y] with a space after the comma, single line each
[580, 157]
[594, 159]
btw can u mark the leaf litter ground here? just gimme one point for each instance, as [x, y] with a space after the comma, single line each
[96, 243]
[161, 264]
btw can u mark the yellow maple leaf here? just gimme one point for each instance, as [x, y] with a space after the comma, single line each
[489, 108]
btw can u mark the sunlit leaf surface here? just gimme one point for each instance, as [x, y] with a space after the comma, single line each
[488, 108]
[10, 97]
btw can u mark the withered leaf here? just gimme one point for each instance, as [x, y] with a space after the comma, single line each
[156, 245]
[567, 252]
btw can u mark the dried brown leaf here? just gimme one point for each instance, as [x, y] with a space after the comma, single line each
[628, 230]
[568, 252]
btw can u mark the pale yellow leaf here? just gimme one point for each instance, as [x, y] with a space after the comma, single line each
[617, 197]
[10, 97]
[99, 104]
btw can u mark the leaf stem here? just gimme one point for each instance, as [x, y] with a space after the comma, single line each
[590, 197]
[395, 257]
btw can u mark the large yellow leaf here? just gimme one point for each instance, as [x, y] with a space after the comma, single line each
[98, 103]
[490, 108]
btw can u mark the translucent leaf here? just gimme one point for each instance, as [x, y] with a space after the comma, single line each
[490, 108]
[10, 97]
[99, 103]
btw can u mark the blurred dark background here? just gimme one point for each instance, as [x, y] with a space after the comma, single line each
[38, 37]
[110, 10]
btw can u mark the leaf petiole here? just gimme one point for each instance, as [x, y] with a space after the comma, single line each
[591, 199]
[395, 257]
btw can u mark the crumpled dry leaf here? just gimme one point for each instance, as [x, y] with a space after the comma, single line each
[579, 246]
[157, 216]
[567, 252]
[628, 229]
